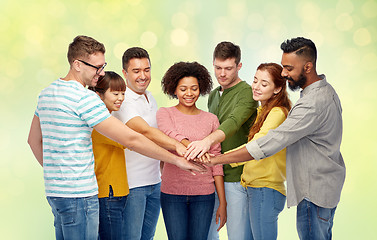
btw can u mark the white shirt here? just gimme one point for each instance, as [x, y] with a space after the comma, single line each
[141, 170]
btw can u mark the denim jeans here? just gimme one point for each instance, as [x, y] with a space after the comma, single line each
[314, 222]
[265, 204]
[187, 217]
[75, 218]
[111, 216]
[142, 211]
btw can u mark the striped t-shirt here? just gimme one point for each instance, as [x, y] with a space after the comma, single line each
[68, 112]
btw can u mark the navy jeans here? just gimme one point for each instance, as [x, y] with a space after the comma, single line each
[187, 217]
[75, 218]
[111, 217]
[314, 222]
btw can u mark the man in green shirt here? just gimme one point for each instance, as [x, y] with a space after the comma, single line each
[232, 102]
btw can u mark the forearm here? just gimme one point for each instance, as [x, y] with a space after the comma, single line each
[219, 184]
[215, 137]
[35, 139]
[240, 155]
[161, 139]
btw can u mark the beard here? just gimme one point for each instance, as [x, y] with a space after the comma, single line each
[295, 85]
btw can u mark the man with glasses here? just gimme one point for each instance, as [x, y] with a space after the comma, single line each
[60, 138]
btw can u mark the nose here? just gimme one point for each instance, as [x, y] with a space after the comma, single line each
[284, 73]
[189, 92]
[102, 73]
[142, 75]
[222, 73]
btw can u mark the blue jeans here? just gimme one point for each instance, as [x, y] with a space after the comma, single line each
[142, 211]
[314, 222]
[238, 222]
[111, 216]
[265, 204]
[75, 218]
[187, 217]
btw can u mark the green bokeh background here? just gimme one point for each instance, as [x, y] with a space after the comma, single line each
[34, 37]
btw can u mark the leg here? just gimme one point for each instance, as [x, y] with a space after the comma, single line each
[134, 212]
[265, 204]
[75, 218]
[213, 234]
[175, 213]
[111, 210]
[314, 222]
[200, 213]
[238, 223]
[152, 211]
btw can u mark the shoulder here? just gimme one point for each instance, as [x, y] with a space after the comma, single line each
[277, 114]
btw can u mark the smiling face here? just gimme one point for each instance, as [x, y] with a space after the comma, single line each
[263, 86]
[293, 71]
[113, 99]
[226, 72]
[88, 74]
[187, 92]
[138, 75]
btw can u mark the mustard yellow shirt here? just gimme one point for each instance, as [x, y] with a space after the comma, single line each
[269, 172]
[109, 166]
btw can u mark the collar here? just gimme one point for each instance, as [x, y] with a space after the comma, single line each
[320, 83]
[136, 96]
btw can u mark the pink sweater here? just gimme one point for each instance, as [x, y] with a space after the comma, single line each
[177, 125]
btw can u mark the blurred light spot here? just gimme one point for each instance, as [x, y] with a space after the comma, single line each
[344, 6]
[192, 7]
[369, 9]
[45, 75]
[255, 21]
[14, 69]
[238, 9]
[148, 39]
[179, 20]
[254, 40]
[309, 7]
[34, 34]
[369, 62]
[119, 49]
[362, 37]
[344, 22]
[316, 37]
[56, 8]
[350, 56]
[179, 37]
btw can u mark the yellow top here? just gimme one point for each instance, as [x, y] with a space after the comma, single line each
[269, 172]
[109, 166]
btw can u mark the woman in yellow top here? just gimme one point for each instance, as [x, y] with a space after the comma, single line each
[264, 180]
[110, 165]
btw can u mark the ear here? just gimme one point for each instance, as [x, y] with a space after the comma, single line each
[239, 66]
[124, 73]
[308, 67]
[277, 90]
[76, 65]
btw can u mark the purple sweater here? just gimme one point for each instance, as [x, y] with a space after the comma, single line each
[179, 126]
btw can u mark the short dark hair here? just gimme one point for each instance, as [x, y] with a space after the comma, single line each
[302, 47]
[226, 50]
[186, 69]
[111, 80]
[134, 52]
[82, 47]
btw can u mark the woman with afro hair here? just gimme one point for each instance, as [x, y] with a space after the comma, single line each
[187, 200]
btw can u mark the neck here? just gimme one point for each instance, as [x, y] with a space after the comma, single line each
[238, 80]
[311, 79]
[192, 110]
[72, 76]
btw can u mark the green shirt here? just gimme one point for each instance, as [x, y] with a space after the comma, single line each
[236, 111]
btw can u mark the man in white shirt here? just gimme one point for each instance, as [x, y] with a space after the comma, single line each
[139, 113]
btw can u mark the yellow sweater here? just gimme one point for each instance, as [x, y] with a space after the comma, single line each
[269, 172]
[110, 166]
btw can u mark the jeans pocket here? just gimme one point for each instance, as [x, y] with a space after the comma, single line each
[66, 209]
[324, 214]
[279, 201]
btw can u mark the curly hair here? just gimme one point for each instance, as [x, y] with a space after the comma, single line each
[181, 70]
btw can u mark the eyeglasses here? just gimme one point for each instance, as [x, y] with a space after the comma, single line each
[99, 69]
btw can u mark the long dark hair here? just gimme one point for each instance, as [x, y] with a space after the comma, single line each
[110, 80]
[280, 99]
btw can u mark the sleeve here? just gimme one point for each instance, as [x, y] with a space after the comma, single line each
[301, 121]
[100, 139]
[244, 109]
[166, 124]
[91, 109]
[127, 111]
[216, 149]
[275, 117]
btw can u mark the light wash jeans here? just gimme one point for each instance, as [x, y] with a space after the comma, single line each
[75, 218]
[142, 211]
[238, 222]
[187, 217]
[265, 205]
[314, 222]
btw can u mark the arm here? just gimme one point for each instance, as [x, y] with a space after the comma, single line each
[35, 139]
[116, 130]
[139, 125]
[245, 107]
[221, 210]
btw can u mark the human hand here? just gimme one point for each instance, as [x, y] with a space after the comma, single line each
[180, 149]
[221, 216]
[197, 149]
[191, 166]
